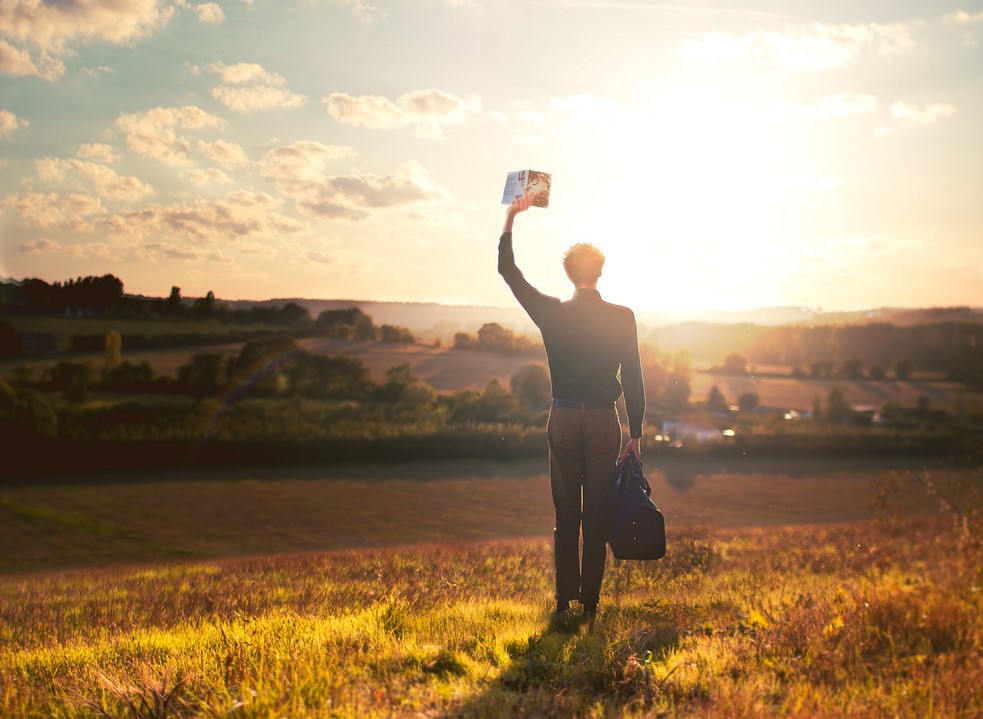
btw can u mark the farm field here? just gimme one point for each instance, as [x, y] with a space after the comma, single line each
[449, 370]
[780, 595]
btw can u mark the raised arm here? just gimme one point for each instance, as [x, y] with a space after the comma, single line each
[532, 300]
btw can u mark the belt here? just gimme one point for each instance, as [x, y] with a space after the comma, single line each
[569, 404]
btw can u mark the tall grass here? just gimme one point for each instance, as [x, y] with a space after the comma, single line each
[859, 620]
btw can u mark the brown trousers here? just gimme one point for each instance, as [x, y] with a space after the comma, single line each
[584, 445]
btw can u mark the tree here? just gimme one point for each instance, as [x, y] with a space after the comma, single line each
[676, 394]
[174, 305]
[735, 363]
[876, 373]
[204, 374]
[852, 369]
[716, 402]
[204, 307]
[747, 401]
[494, 404]
[837, 408]
[492, 337]
[10, 342]
[531, 384]
[903, 367]
[114, 351]
[365, 329]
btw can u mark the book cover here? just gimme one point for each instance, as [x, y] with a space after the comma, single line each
[537, 182]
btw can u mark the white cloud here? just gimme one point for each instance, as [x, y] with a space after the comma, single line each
[356, 197]
[249, 86]
[927, 115]
[834, 107]
[185, 253]
[52, 29]
[813, 48]
[45, 246]
[240, 214]
[106, 181]
[52, 210]
[18, 63]
[210, 13]
[152, 133]
[293, 166]
[41, 246]
[362, 9]
[245, 72]
[257, 97]
[199, 177]
[97, 151]
[964, 18]
[425, 111]
[584, 108]
[10, 123]
[230, 154]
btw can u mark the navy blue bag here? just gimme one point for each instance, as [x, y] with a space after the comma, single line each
[639, 529]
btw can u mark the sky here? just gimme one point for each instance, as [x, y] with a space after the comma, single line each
[724, 155]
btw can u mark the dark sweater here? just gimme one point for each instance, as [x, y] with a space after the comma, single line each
[587, 342]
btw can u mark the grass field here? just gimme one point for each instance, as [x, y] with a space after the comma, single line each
[790, 588]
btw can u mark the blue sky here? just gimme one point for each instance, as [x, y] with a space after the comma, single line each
[725, 155]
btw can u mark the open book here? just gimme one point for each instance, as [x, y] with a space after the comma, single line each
[537, 182]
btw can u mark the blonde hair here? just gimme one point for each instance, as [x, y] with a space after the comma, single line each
[583, 263]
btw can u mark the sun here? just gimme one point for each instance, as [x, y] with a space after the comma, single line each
[693, 203]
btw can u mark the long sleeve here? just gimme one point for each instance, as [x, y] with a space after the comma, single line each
[532, 300]
[632, 382]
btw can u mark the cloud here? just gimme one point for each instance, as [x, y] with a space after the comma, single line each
[584, 108]
[229, 154]
[249, 86]
[210, 13]
[184, 252]
[813, 48]
[106, 181]
[52, 29]
[355, 197]
[45, 246]
[52, 210]
[97, 151]
[10, 123]
[834, 107]
[425, 111]
[964, 18]
[200, 177]
[257, 97]
[362, 9]
[41, 246]
[296, 165]
[240, 214]
[927, 115]
[18, 63]
[245, 72]
[152, 133]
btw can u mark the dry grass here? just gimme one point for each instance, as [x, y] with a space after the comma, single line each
[859, 620]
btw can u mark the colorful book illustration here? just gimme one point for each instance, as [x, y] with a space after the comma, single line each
[537, 182]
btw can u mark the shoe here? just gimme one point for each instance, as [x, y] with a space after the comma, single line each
[562, 609]
[590, 610]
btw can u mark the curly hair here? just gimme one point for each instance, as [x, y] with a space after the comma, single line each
[583, 263]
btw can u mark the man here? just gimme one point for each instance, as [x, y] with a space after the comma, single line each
[587, 342]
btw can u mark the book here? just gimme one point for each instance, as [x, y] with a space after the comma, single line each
[537, 182]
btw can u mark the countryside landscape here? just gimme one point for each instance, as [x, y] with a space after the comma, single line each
[281, 436]
[323, 516]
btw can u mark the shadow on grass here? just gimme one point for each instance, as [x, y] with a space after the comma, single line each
[576, 666]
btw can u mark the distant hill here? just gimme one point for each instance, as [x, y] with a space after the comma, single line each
[430, 319]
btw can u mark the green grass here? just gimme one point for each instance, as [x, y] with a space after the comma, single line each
[858, 620]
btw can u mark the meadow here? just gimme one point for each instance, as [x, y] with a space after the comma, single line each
[848, 587]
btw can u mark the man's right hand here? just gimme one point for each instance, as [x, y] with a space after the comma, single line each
[519, 204]
[634, 447]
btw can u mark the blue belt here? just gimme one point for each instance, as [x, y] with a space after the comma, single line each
[569, 404]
